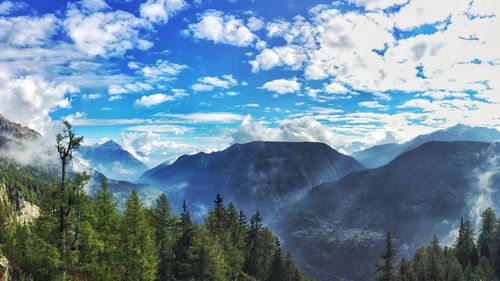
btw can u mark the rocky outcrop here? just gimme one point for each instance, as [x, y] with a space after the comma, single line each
[4, 268]
[25, 211]
[15, 130]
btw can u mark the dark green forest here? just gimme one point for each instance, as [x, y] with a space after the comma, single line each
[469, 259]
[81, 238]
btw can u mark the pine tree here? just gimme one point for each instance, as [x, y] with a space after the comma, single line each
[255, 263]
[452, 268]
[207, 259]
[164, 223]
[67, 143]
[277, 270]
[138, 254]
[435, 260]
[217, 219]
[387, 267]
[107, 265]
[420, 264]
[182, 269]
[466, 250]
[406, 272]
[487, 236]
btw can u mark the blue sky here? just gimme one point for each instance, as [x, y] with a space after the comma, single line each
[167, 77]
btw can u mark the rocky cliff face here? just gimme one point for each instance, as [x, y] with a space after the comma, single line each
[4, 268]
[15, 130]
[25, 211]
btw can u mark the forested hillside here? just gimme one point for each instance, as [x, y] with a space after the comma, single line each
[468, 259]
[79, 238]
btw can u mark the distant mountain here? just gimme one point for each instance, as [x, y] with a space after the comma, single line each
[112, 160]
[337, 230]
[382, 154]
[263, 175]
[12, 130]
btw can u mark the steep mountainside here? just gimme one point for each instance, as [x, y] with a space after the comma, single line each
[263, 175]
[15, 130]
[113, 161]
[382, 154]
[421, 193]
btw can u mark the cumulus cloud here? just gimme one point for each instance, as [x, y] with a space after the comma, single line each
[161, 70]
[7, 7]
[282, 86]
[160, 11]
[26, 31]
[378, 4]
[153, 100]
[296, 130]
[373, 104]
[98, 32]
[209, 83]
[226, 29]
[29, 100]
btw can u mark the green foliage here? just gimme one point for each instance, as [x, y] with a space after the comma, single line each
[77, 238]
[137, 248]
[387, 267]
[464, 262]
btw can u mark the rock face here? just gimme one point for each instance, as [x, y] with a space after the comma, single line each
[256, 175]
[421, 193]
[380, 155]
[113, 161]
[15, 130]
[24, 210]
[4, 268]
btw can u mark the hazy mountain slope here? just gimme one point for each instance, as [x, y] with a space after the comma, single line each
[382, 154]
[112, 160]
[264, 175]
[422, 192]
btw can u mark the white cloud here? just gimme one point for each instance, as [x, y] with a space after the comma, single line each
[220, 28]
[291, 56]
[373, 104]
[129, 88]
[160, 11]
[419, 12]
[153, 100]
[28, 31]
[162, 70]
[164, 128]
[212, 117]
[282, 86]
[378, 4]
[7, 7]
[255, 24]
[91, 96]
[295, 130]
[335, 88]
[101, 33]
[30, 99]
[209, 83]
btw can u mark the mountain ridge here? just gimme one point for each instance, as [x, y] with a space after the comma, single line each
[380, 155]
[275, 172]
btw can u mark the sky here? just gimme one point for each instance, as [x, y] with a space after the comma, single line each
[170, 77]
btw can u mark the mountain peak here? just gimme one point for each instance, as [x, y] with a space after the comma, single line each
[111, 144]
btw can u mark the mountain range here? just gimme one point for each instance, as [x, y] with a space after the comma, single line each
[330, 210]
[112, 160]
[15, 137]
[257, 175]
[422, 192]
[380, 155]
